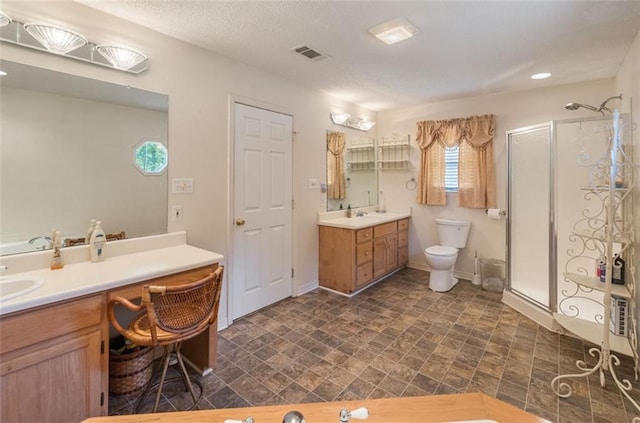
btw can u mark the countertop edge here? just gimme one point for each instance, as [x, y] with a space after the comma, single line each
[172, 259]
[359, 224]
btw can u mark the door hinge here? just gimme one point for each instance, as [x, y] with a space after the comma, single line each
[102, 347]
[292, 272]
[101, 399]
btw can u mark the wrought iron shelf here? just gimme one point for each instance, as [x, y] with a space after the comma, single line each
[620, 238]
[602, 225]
[595, 284]
[361, 147]
[592, 332]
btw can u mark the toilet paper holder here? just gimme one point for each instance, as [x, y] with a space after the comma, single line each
[500, 212]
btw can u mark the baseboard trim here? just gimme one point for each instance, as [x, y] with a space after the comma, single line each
[308, 287]
[535, 313]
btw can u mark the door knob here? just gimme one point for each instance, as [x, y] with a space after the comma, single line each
[240, 221]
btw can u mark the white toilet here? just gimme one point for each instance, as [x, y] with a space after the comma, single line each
[442, 258]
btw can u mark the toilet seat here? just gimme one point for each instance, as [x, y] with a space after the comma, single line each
[440, 250]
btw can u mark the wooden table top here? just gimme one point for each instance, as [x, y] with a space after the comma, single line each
[425, 409]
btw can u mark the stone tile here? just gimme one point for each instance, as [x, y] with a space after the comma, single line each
[398, 338]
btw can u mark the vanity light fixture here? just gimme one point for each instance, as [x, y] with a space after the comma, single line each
[345, 119]
[123, 58]
[4, 20]
[55, 39]
[365, 125]
[67, 43]
[339, 118]
[393, 31]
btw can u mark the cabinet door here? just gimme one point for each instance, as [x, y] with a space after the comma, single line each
[59, 382]
[391, 260]
[379, 257]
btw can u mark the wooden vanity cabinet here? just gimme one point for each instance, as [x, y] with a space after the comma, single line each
[52, 362]
[350, 259]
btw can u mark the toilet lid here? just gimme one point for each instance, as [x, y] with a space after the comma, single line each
[439, 250]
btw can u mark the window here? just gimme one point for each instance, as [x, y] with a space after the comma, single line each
[150, 157]
[451, 158]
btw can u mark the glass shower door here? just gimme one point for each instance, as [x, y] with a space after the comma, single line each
[530, 223]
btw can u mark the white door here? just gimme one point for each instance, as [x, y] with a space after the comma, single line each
[262, 209]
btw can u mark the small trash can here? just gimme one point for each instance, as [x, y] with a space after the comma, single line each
[493, 274]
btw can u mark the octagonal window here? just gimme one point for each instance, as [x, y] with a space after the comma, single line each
[150, 157]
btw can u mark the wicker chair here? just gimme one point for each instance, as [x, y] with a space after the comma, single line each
[171, 315]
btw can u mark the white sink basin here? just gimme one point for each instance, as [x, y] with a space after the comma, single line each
[14, 287]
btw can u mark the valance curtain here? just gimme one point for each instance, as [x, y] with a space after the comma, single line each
[476, 173]
[335, 166]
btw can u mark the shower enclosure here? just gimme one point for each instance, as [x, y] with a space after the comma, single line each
[545, 198]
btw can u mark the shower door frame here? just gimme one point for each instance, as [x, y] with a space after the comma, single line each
[552, 228]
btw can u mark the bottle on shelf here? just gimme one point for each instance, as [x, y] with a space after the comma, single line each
[617, 271]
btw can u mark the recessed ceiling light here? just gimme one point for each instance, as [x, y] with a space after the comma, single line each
[541, 75]
[394, 30]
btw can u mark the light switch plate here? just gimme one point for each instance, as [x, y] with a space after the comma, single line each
[182, 185]
[313, 184]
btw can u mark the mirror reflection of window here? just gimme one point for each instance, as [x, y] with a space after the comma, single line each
[335, 166]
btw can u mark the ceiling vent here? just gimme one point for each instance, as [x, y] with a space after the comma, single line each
[309, 52]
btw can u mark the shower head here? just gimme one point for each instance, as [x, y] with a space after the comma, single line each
[576, 106]
[600, 109]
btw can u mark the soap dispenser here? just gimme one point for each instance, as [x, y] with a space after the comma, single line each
[96, 243]
[56, 260]
[349, 211]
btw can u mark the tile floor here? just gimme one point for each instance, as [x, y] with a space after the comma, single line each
[398, 338]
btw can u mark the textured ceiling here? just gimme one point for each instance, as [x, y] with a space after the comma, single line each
[463, 48]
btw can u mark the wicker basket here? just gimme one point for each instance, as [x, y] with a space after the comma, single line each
[129, 374]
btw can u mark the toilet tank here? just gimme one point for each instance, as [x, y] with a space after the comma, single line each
[453, 233]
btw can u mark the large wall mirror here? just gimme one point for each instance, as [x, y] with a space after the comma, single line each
[68, 154]
[352, 177]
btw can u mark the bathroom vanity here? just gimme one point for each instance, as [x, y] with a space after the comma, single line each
[357, 251]
[54, 341]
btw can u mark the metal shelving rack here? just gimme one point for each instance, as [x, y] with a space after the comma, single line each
[608, 224]
[361, 153]
[393, 152]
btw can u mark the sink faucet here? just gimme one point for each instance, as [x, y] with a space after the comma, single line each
[47, 246]
[360, 213]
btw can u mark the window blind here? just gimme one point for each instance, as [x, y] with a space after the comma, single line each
[451, 158]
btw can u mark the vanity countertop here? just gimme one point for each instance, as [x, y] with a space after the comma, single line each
[455, 408]
[85, 278]
[369, 219]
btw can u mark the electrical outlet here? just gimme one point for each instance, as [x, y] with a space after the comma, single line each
[176, 213]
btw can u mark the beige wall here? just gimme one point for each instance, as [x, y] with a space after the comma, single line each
[200, 84]
[512, 110]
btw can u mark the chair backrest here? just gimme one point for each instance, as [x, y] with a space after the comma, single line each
[184, 310]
